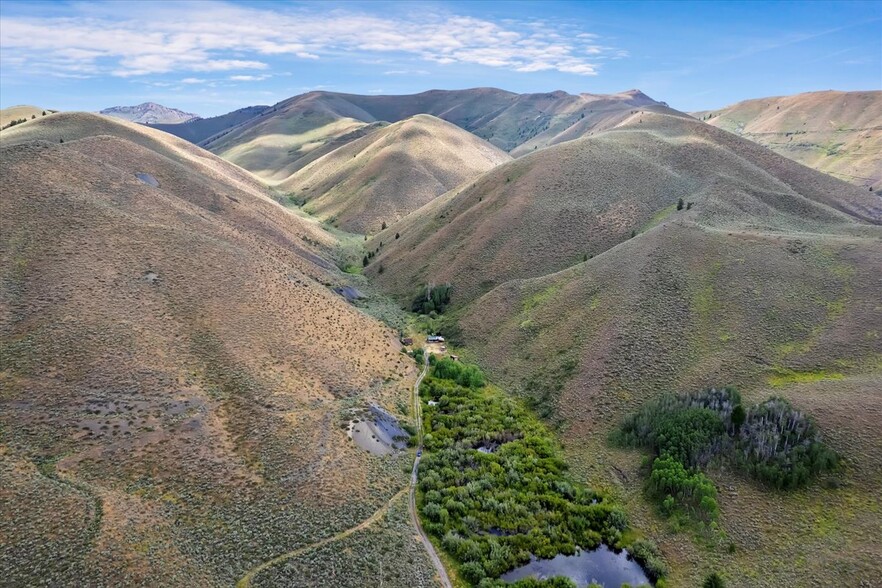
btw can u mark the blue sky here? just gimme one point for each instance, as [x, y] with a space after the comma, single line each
[212, 57]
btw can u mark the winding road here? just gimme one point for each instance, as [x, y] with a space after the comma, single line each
[411, 503]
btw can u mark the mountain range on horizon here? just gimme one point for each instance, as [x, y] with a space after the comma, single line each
[845, 144]
[149, 113]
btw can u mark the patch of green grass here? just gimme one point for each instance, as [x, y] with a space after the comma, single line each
[783, 376]
[658, 218]
[540, 297]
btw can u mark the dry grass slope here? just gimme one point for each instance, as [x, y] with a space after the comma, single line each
[175, 373]
[839, 133]
[14, 113]
[200, 129]
[546, 211]
[770, 282]
[391, 172]
[274, 144]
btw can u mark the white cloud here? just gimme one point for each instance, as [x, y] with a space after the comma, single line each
[406, 72]
[210, 37]
[249, 78]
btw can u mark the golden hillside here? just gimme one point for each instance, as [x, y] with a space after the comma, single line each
[15, 113]
[175, 372]
[839, 133]
[391, 172]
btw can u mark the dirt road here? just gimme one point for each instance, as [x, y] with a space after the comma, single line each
[411, 503]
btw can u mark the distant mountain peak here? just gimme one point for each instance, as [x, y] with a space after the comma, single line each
[149, 113]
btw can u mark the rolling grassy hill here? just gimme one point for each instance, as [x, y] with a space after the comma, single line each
[839, 133]
[199, 129]
[176, 372]
[769, 282]
[391, 172]
[546, 211]
[272, 146]
[16, 113]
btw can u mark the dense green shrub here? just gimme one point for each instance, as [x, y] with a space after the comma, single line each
[463, 374]
[494, 488]
[433, 298]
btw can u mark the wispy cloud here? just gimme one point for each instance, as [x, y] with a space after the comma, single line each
[241, 78]
[119, 40]
[406, 72]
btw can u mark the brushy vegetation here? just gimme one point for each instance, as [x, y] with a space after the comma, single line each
[771, 442]
[384, 554]
[432, 299]
[495, 489]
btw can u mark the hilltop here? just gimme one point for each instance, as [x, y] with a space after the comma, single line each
[176, 367]
[576, 281]
[149, 113]
[11, 116]
[388, 173]
[839, 133]
[199, 129]
[517, 123]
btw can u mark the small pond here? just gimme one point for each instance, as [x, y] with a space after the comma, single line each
[148, 179]
[602, 566]
[378, 432]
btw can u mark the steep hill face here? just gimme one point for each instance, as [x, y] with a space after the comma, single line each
[546, 211]
[198, 129]
[839, 133]
[149, 113]
[391, 172]
[174, 366]
[768, 282]
[518, 123]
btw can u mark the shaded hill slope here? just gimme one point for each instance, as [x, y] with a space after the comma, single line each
[546, 211]
[174, 367]
[839, 133]
[391, 172]
[199, 129]
[271, 147]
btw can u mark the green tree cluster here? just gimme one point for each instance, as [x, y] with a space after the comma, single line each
[433, 299]
[467, 375]
[494, 488]
[770, 441]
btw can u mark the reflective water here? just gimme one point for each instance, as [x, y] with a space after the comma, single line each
[602, 566]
